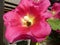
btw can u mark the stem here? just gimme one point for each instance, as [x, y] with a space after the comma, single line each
[29, 41]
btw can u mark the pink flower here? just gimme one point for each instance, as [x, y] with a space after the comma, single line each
[58, 31]
[27, 22]
[56, 10]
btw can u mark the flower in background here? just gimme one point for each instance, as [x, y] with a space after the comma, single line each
[58, 31]
[27, 22]
[56, 10]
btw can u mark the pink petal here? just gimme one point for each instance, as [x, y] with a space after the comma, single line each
[23, 6]
[47, 14]
[11, 18]
[41, 30]
[56, 7]
[40, 39]
[25, 3]
[13, 33]
[10, 15]
[33, 11]
[57, 15]
[40, 6]
[35, 39]
[58, 31]
[43, 5]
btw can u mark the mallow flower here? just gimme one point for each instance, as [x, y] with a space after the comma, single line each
[27, 22]
[56, 10]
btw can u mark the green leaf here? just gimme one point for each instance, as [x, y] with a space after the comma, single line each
[54, 23]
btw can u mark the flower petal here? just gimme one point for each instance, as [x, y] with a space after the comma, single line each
[47, 14]
[43, 5]
[11, 19]
[23, 6]
[13, 33]
[10, 15]
[56, 7]
[40, 39]
[41, 30]
[57, 15]
[58, 31]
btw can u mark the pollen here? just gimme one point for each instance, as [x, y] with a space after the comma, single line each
[27, 20]
[53, 12]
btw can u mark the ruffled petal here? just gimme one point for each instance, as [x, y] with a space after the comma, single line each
[10, 16]
[56, 7]
[41, 30]
[40, 39]
[25, 3]
[46, 14]
[57, 15]
[43, 5]
[13, 33]
[14, 29]
[23, 6]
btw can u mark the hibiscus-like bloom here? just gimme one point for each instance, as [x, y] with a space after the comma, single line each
[27, 21]
[56, 10]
